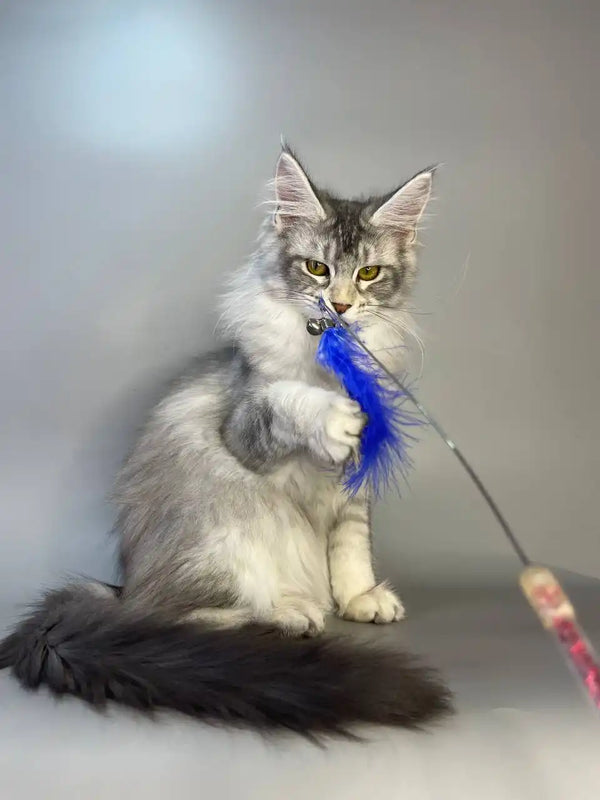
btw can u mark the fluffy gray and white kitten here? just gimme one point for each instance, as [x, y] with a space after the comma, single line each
[232, 517]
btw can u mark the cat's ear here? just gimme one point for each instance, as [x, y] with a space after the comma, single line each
[403, 210]
[294, 195]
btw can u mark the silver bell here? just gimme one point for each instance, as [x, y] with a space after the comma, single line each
[316, 326]
[313, 326]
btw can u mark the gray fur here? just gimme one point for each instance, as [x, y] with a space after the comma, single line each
[231, 509]
[80, 640]
[226, 460]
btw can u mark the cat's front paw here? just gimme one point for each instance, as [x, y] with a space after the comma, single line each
[379, 605]
[338, 425]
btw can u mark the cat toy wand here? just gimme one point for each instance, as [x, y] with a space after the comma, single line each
[540, 586]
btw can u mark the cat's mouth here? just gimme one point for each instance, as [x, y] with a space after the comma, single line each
[349, 312]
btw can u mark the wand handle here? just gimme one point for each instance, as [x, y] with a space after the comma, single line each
[556, 613]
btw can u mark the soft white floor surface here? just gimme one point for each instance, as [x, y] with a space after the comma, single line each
[522, 730]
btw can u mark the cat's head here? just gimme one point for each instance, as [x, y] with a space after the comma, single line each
[358, 255]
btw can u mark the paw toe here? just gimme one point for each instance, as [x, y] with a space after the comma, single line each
[299, 620]
[379, 605]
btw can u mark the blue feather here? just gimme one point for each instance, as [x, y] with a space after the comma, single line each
[384, 440]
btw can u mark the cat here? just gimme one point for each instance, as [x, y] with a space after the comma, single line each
[237, 537]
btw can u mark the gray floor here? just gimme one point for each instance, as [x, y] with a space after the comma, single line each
[523, 730]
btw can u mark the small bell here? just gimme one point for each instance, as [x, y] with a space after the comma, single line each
[317, 326]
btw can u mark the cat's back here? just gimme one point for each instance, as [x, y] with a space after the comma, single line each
[205, 387]
[186, 423]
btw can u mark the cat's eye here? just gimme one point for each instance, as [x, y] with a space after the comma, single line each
[368, 273]
[317, 268]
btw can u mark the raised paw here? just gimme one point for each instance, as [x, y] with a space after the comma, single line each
[379, 605]
[338, 427]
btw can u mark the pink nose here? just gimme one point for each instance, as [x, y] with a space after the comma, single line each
[341, 307]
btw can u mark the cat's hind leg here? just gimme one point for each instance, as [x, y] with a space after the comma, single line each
[220, 617]
[296, 616]
[291, 616]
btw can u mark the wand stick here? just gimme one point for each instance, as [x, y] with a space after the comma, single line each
[540, 586]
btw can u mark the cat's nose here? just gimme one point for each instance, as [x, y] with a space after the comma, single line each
[341, 307]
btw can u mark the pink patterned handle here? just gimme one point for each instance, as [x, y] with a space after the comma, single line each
[556, 613]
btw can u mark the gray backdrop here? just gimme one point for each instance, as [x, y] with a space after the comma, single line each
[135, 139]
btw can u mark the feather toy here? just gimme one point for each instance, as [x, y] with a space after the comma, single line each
[386, 437]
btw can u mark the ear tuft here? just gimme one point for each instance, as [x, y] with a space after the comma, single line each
[294, 194]
[404, 208]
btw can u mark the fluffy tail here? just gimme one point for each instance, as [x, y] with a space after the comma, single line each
[79, 643]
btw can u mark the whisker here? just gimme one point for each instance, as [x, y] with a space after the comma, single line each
[461, 278]
[409, 309]
[401, 326]
[388, 349]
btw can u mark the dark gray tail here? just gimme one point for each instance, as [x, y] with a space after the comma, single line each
[80, 643]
